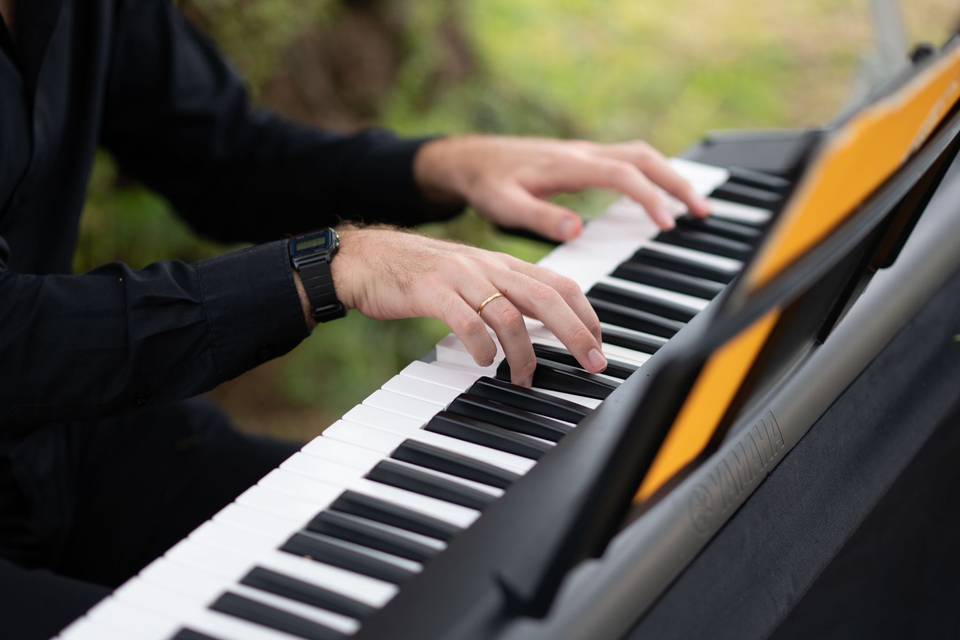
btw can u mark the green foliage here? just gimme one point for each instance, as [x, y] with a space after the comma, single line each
[665, 72]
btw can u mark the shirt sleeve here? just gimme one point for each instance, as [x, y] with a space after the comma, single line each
[179, 119]
[76, 346]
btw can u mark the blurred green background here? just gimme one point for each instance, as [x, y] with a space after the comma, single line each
[613, 70]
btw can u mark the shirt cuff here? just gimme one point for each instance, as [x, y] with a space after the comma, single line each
[252, 307]
[395, 185]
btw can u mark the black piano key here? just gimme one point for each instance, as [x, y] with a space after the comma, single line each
[723, 228]
[329, 552]
[394, 515]
[706, 242]
[630, 339]
[338, 525]
[615, 368]
[300, 591]
[529, 400]
[559, 377]
[189, 634]
[486, 434]
[238, 606]
[508, 417]
[651, 256]
[641, 302]
[759, 180]
[750, 196]
[623, 316]
[404, 477]
[669, 280]
[431, 457]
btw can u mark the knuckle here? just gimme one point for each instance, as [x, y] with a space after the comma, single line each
[468, 326]
[582, 337]
[508, 317]
[527, 367]
[541, 294]
[568, 287]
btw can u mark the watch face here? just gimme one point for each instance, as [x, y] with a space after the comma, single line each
[309, 244]
[314, 243]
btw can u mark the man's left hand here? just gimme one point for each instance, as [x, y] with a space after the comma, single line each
[510, 180]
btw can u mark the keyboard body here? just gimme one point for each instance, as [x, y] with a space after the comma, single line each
[396, 522]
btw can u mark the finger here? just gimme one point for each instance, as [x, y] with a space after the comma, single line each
[540, 216]
[568, 289]
[660, 171]
[593, 171]
[541, 301]
[507, 322]
[469, 327]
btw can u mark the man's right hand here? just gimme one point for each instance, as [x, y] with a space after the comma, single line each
[388, 274]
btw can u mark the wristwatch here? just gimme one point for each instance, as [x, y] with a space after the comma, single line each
[310, 255]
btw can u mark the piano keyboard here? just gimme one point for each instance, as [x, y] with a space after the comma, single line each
[323, 542]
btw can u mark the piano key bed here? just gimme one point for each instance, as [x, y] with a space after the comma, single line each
[323, 542]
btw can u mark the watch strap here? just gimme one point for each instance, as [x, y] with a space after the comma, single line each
[317, 278]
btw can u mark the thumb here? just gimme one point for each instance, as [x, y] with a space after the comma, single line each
[522, 209]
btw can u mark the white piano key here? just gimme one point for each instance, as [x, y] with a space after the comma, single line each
[428, 391]
[704, 177]
[214, 558]
[590, 403]
[232, 537]
[186, 580]
[453, 378]
[687, 301]
[333, 474]
[278, 504]
[253, 520]
[376, 440]
[331, 449]
[455, 514]
[452, 351]
[341, 452]
[508, 461]
[720, 262]
[150, 596]
[289, 480]
[165, 596]
[462, 378]
[611, 351]
[220, 625]
[240, 540]
[135, 621]
[404, 405]
[736, 212]
[87, 629]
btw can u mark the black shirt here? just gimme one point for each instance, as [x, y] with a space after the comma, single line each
[134, 77]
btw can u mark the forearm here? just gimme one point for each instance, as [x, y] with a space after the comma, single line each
[117, 339]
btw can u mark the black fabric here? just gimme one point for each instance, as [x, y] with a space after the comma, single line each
[133, 76]
[811, 518]
[85, 505]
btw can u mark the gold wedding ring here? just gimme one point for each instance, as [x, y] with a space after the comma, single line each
[488, 301]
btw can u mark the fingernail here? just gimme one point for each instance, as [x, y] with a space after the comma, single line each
[596, 360]
[568, 228]
[668, 222]
[705, 206]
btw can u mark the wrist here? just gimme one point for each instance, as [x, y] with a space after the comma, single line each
[438, 172]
